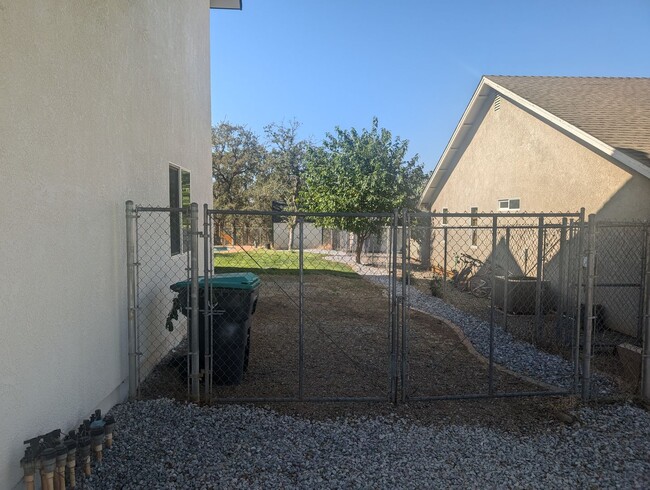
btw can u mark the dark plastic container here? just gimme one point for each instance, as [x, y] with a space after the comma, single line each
[233, 299]
[522, 292]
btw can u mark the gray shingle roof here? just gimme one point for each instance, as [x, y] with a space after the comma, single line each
[614, 110]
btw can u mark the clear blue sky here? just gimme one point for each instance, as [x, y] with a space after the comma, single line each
[412, 63]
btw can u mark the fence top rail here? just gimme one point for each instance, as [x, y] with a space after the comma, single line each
[150, 209]
[545, 226]
[421, 214]
[622, 224]
[299, 214]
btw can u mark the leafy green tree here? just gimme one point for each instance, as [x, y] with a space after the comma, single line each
[286, 165]
[237, 160]
[360, 172]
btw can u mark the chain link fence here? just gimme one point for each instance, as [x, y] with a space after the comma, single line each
[411, 306]
[507, 296]
[160, 347]
[619, 301]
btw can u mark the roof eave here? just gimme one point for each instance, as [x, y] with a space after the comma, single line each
[226, 4]
[446, 162]
[578, 133]
[464, 127]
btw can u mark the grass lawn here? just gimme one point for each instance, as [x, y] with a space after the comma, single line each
[278, 262]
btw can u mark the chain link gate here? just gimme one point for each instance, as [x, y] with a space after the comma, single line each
[162, 252]
[319, 332]
[509, 323]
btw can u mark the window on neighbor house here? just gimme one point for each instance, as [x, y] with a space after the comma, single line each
[474, 222]
[179, 197]
[509, 204]
[445, 219]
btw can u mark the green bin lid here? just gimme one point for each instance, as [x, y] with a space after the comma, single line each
[233, 280]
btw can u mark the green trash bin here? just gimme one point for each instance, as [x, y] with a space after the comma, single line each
[232, 302]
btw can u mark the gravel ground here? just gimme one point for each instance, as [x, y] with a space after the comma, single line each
[509, 352]
[165, 444]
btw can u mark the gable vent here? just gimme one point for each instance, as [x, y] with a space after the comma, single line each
[497, 103]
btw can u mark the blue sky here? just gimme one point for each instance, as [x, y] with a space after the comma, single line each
[412, 63]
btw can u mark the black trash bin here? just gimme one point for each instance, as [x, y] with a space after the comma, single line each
[232, 303]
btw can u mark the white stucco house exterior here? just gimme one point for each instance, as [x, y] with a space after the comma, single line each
[99, 102]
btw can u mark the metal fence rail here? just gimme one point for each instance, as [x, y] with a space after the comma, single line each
[528, 305]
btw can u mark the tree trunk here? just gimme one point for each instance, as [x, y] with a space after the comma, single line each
[292, 229]
[359, 248]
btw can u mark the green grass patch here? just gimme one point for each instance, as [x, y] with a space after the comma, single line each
[278, 262]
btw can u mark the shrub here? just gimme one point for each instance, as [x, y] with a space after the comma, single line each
[435, 285]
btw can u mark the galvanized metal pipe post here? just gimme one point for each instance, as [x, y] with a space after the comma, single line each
[131, 296]
[301, 311]
[395, 312]
[444, 266]
[589, 307]
[561, 307]
[506, 281]
[539, 321]
[492, 305]
[405, 306]
[578, 312]
[645, 361]
[194, 300]
[207, 296]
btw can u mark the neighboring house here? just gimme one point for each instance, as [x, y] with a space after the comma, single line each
[549, 144]
[552, 144]
[100, 102]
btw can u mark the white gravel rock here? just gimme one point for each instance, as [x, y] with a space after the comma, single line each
[165, 444]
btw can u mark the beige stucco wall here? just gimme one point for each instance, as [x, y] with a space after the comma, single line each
[96, 99]
[513, 154]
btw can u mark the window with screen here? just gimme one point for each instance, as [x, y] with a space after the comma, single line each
[512, 204]
[179, 197]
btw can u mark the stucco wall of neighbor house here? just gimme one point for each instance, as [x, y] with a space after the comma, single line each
[513, 154]
[97, 99]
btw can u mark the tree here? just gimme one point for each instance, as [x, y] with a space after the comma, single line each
[237, 160]
[286, 163]
[359, 172]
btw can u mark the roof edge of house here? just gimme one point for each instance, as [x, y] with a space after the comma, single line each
[446, 164]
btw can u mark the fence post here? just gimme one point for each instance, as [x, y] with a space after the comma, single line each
[561, 306]
[444, 260]
[131, 297]
[207, 317]
[194, 300]
[405, 306]
[645, 363]
[538, 286]
[578, 312]
[394, 310]
[492, 305]
[589, 308]
[506, 280]
[301, 310]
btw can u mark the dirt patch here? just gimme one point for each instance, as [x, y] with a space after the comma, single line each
[346, 345]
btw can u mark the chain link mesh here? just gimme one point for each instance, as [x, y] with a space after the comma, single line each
[505, 287]
[162, 333]
[511, 292]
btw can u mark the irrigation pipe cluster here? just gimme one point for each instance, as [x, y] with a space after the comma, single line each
[50, 454]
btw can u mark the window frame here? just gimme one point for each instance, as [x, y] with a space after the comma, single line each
[182, 198]
[508, 204]
[445, 219]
